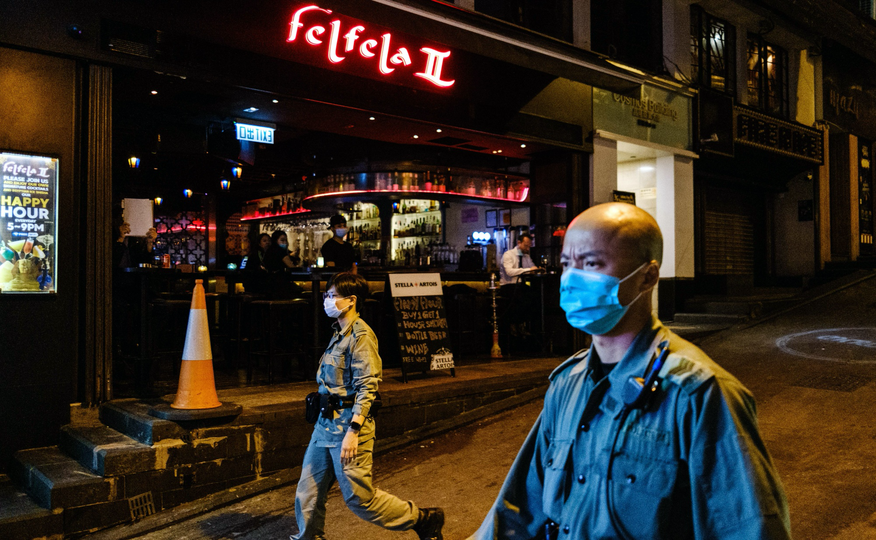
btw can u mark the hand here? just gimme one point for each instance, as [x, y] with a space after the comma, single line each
[151, 234]
[349, 448]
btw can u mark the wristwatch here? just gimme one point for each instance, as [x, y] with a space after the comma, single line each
[355, 427]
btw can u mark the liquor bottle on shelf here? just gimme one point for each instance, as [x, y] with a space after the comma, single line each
[427, 181]
[500, 187]
[395, 181]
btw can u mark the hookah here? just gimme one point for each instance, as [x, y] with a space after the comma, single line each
[496, 351]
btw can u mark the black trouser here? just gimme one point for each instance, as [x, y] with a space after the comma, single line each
[521, 302]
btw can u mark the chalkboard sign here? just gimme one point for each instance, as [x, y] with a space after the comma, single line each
[423, 336]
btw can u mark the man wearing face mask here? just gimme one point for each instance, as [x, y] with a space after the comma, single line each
[335, 251]
[642, 436]
[342, 442]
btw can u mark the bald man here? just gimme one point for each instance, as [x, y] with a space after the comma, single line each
[642, 436]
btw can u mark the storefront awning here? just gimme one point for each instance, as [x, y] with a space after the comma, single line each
[491, 38]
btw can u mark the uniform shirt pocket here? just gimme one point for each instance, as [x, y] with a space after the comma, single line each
[642, 490]
[333, 366]
[556, 466]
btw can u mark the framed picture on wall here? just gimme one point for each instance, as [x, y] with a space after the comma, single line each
[505, 218]
[490, 216]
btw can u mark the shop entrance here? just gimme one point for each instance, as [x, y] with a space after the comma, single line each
[417, 197]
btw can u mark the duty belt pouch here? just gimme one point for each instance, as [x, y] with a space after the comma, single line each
[312, 407]
[376, 405]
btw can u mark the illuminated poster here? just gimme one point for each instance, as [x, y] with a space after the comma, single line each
[28, 209]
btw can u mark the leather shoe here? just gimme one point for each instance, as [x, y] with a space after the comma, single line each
[430, 523]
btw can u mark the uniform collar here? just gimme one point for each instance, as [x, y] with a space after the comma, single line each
[635, 361]
[346, 329]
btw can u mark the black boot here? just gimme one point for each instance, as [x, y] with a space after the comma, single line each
[429, 524]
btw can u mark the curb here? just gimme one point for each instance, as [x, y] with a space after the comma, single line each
[745, 325]
[289, 477]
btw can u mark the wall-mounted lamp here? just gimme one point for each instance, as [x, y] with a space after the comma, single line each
[187, 193]
[158, 201]
[237, 171]
[225, 183]
[133, 162]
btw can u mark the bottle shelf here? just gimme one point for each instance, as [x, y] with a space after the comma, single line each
[434, 235]
[363, 219]
[418, 214]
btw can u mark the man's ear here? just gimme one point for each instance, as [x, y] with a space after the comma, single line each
[652, 275]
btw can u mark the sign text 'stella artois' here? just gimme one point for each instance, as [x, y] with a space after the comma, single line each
[309, 24]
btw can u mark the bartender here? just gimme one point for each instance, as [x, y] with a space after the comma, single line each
[515, 263]
[337, 253]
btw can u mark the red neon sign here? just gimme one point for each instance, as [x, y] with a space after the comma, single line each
[389, 57]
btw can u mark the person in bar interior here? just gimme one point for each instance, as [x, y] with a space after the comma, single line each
[342, 442]
[642, 435]
[336, 252]
[515, 263]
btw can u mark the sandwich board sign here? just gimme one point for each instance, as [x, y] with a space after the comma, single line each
[424, 339]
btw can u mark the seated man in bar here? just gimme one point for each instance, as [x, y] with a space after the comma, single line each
[337, 253]
[515, 263]
[642, 435]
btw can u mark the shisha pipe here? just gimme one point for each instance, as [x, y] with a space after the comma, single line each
[496, 351]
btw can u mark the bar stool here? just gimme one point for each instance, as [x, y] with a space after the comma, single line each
[461, 307]
[168, 322]
[282, 327]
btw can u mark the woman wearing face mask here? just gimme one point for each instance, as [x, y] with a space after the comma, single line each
[278, 257]
[337, 253]
[343, 438]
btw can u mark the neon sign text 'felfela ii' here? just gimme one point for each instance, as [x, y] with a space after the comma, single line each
[356, 41]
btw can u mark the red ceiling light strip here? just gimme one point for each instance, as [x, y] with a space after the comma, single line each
[425, 194]
[433, 61]
[267, 215]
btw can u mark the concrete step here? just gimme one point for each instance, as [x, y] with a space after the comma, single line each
[23, 519]
[105, 451]
[719, 319]
[131, 417]
[55, 480]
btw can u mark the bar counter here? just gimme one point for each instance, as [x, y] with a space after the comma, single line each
[154, 293]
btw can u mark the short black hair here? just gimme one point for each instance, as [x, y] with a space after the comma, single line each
[523, 237]
[275, 237]
[350, 284]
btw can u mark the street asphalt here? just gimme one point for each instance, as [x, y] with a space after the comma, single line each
[812, 370]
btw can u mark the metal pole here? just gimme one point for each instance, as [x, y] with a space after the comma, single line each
[496, 351]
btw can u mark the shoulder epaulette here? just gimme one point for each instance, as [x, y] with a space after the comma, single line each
[360, 327]
[571, 361]
[685, 372]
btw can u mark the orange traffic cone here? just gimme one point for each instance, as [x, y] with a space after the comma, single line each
[197, 388]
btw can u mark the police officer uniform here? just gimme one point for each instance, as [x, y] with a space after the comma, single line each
[350, 368]
[690, 464]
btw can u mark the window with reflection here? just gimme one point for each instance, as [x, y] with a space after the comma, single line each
[712, 48]
[767, 77]
[550, 17]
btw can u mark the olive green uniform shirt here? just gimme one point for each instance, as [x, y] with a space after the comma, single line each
[690, 465]
[350, 366]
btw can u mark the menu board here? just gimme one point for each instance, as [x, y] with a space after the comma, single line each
[28, 223]
[423, 336]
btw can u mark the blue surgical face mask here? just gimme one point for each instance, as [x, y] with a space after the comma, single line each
[590, 300]
[282, 246]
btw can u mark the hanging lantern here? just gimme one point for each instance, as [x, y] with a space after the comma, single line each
[237, 171]
[158, 201]
[187, 193]
[225, 183]
[134, 162]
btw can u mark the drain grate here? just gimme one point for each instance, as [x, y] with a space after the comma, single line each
[141, 505]
[837, 383]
